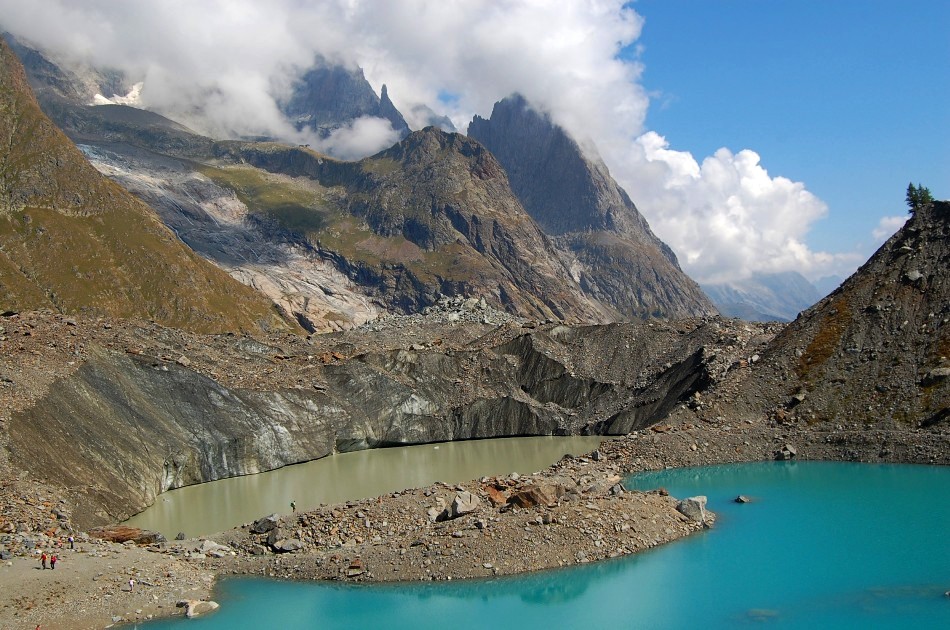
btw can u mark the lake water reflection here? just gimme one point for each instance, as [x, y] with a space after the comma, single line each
[822, 545]
[219, 505]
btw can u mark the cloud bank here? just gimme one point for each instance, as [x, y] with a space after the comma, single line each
[221, 66]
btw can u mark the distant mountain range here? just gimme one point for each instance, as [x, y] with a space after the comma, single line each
[764, 296]
[543, 231]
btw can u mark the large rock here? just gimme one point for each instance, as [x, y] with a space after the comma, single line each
[211, 548]
[544, 493]
[195, 607]
[693, 508]
[124, 533]
[265, 524]
[288, 545]
[464, 503]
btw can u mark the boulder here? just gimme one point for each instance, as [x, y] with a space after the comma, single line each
[787, 452]
[211, 548]
[195, 607]
[265, 524]
[496, 496]
[742, 499]
[935, 376]
[124, 533]
[288, 545]
[544, 493]
[693, 508]
[464, 503]
[274, 535]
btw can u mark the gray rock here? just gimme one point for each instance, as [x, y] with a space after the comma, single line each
[786, 453]
[288, 545]
[265, 524]
[195, 607]
[693, 508]
[211, 548]
[742, 499]
[464, 503]
[180, 536]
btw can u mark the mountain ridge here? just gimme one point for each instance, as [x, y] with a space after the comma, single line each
[74, 241]
[615, 255]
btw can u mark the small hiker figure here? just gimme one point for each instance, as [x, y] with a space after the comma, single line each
[52, 561]
[131, 585]
[293, 506]
[72, 542]
[43, 559]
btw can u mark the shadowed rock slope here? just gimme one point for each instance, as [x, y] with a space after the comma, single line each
[616, 257]
[89, 405]
[74, 241]
[876, 351]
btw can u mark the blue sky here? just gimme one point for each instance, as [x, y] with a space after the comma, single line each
[849, 97]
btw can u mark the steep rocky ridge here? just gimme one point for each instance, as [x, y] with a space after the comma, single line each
[434, 215]
[328, 97]
[72, 240]
[876, 352]
[87, 402]
[616, 257]
[871, 359]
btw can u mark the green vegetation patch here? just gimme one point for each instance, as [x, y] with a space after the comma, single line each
[297, 205]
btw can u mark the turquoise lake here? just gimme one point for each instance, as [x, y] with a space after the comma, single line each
[822, 545]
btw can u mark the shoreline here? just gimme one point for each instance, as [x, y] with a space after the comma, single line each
[571, 513]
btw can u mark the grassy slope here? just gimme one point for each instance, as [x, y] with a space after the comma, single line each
[72, 240]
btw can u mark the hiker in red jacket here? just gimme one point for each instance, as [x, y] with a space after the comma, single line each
[43, 559]
[52, 561]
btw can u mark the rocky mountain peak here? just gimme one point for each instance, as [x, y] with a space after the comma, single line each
[569, 191]
[328, 97]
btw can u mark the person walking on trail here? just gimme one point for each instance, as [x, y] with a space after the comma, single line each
[52, 561]
[72, 542]
[43, 559]
[293, 506]
[131, 585]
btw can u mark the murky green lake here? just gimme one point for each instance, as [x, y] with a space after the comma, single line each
[213, 507]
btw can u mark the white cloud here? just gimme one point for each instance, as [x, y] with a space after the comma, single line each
[220, 65]
[364, 136]
[887, 226]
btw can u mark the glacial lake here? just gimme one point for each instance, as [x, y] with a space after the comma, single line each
[219, 505]
[822, 545]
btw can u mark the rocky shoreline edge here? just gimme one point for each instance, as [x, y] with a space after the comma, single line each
[574, 512]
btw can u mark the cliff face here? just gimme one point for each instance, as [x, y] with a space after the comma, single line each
[617, 258]
[109, 427]
[73, 241]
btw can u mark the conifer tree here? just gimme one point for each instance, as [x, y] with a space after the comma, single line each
[917, 197]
